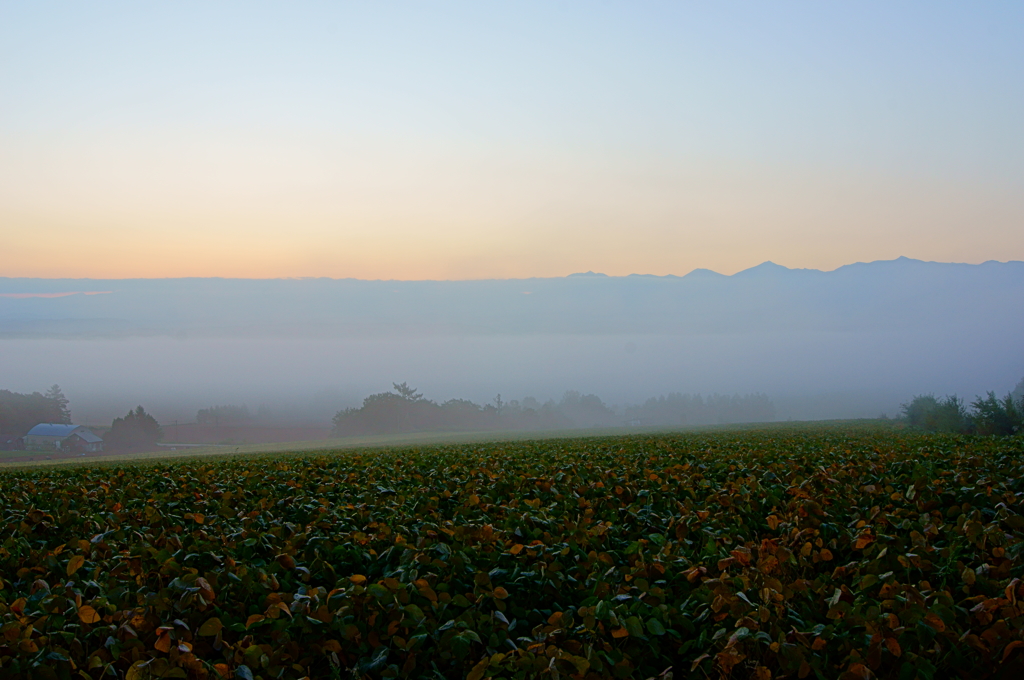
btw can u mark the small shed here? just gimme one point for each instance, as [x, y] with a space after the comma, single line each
[82, 441]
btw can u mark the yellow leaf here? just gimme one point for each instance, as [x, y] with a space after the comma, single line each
[211, 627]
[357, 579]
[75, 564]
[138, 671]
[478, 670]
[88, 615]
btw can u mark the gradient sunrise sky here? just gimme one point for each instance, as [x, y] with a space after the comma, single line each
[495, 140]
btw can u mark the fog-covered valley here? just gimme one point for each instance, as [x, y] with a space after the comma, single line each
[855, 342]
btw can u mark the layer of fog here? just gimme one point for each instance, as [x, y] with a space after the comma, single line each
[808, 375]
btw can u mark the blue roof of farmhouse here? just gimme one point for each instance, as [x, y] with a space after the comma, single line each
[53, 430]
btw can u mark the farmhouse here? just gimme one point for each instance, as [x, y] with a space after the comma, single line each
[57, 436]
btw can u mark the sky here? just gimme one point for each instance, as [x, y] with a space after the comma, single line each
[486, 140]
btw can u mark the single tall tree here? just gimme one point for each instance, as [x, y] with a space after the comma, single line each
[60, 405]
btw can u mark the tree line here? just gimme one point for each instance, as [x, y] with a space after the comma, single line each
[19, 413]
[988, 415]
[405, 409]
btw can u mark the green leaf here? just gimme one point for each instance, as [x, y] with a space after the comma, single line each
[654, 627]
[634, 626]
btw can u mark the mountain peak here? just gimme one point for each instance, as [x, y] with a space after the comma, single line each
[704, 274]
[767, 267]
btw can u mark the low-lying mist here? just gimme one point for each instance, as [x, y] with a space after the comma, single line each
[856, 342]
[808, 376]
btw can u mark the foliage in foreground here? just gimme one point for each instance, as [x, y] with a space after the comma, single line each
[779, 553]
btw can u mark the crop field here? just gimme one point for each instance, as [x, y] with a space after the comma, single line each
[834, 551]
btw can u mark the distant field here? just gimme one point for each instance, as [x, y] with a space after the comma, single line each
[29, 459]
[850, 550]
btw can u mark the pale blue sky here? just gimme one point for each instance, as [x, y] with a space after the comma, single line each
[458, 140]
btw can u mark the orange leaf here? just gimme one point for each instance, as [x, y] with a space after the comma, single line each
[773, 522]
[935, 622]
[826, 554]
[500, 593]
[1010, 647]
[75, 564]
[254, 619]
[620, 633]
[88, 615]
[863, 541]
[163, 643]
[894, 647]
[205, 589]
[357, 579]
[222, 669]
[516, 549]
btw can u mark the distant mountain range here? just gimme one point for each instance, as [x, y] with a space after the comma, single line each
[893, 295]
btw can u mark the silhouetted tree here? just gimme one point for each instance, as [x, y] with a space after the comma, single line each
[930, 413]
[19, 413]
[59, 404]
[407, 393]
[997, 416]
[137, 431]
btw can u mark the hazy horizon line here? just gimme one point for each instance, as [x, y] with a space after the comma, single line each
[697, 270]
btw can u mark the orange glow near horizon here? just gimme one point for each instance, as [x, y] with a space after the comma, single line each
[287, 212]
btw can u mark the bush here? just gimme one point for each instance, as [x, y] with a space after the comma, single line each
[927, 412]
[998, 416]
